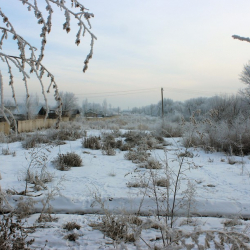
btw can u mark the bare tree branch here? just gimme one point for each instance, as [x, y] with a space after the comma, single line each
[32, 57]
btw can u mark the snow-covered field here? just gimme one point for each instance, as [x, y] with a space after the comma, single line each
[100, 186]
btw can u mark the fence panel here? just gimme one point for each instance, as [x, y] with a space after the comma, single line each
[30, 125]
[4, 127]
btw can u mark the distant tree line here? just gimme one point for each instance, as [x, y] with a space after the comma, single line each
[224, 107]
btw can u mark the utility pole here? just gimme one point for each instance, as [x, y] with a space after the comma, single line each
[162, 110]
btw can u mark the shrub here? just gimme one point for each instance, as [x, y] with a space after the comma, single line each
[71, 225]
[143, 139]
[92, 142]
[186, 154]
[231, 137]
[72, 237]
[108, 150]
[162, 182]
[137, 156]
[109, 139]
[64, 162]
[24, 208]
[117, 227]
[137, 184]
[12, 234]
[7, 151]
[68, 131]
[151, 163]
[38, 178]
[33, 140]
[171, 130]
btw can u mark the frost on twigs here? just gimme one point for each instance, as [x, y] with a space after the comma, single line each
[28, 60]
[246, 39]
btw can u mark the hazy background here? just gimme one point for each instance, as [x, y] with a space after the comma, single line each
[183, 46]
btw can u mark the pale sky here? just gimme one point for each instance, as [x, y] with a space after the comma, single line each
[183, 46]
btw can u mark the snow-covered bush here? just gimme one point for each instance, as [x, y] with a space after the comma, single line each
[92, 142]
[24, 207]
[68, 131]
[144, 139]
[231, 137]
[32, 140]
[64, 162]
[169, 129]
[151, 163]
[13, 234]
[108, 150]
[137, 155]
[120, 228]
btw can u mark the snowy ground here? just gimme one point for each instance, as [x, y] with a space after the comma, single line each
[221, 190]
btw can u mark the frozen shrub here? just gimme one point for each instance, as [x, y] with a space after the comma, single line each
[172, 130]
[117, 227]
[38, 178]
[108, 150]
[12, 137]
[137, 184]
[67, 131]
[231, 137]
[137, 156]
[64, 162]
[144, 139]
[151, 163]
[71, 225]
[186, 154]
[24, 208]
[109, 139]
[34, 139]
[125, 147]
[3, 138]
[13, 234]
[7, 151]
[162, 182]
[72, 237]
[92, 142]
[142, 127]
[133, 137]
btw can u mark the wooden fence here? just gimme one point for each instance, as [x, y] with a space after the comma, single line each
[4, 128]
[30, 125]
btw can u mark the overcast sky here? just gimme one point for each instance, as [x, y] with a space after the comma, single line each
[183, 46]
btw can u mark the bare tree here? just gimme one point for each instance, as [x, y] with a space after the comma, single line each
[28, 60]
[245, 78]
[69, 101]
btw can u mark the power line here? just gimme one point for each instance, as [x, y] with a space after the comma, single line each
[135, 91]
[122, 91]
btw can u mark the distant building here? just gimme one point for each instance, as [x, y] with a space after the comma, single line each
[91, 113]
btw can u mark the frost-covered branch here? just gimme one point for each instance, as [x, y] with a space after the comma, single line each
[32, 57]
[241, 38]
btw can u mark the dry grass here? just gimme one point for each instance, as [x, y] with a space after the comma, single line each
[64, 162]
[92, 142]
[7, 151]
[13, 234]
[118, 227]
[137, 184]
[33, 140]
[162, 182]
[71, 237]
[151, 163]
[71, 225]
[137, 156]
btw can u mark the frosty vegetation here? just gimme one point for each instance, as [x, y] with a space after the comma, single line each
[152, 161]
[28, 59]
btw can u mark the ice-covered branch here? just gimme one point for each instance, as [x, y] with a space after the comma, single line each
[32, 57]
[246, 39]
